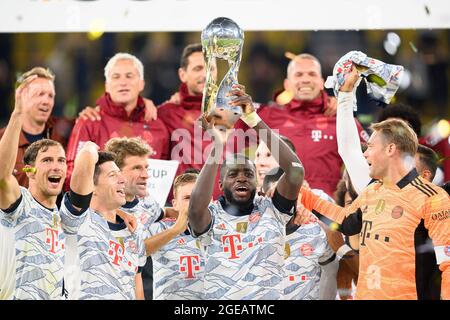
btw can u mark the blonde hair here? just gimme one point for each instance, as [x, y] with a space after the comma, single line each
[182, 180]
[124, 56]
[398, 132]
[39, 71]
[124, 147]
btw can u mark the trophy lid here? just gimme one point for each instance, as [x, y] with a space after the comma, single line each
[222, 35]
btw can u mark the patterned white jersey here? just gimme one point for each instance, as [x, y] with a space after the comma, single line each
[244, 257]
[109, 254]
[305, 248]
[178, 267]
[146, 210]
[7, 263]
[39, 249]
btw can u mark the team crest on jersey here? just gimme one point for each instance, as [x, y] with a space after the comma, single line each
[181, 241]
[380, 206]
[222, 226]
[306, 249]
[397, 212]
[287, 250]
[133, 246]
[144, 218]
[254, 217]
[241, 227]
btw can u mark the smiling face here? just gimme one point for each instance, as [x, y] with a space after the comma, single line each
[304, 79]
[51, 171]
[264, 162]
[124, 83]
[239, 183]
[376, 155]
[110, 186]
[134, 170]
[41, 100]
[194, 75]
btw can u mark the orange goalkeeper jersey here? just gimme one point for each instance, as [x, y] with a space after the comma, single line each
[386, 219]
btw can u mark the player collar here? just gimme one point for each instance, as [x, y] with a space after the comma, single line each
[242, 211]
[131, 204]
[408, 178]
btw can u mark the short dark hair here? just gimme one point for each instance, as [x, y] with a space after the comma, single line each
[236, 157]
[33, 149]
[187, 51]
[272, 176]
[404, 112]
[428, 158]
[103, 156]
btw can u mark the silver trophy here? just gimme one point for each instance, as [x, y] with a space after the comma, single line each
[221, 39]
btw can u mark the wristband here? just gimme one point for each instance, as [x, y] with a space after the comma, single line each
[251, 119]
[342, 251]
[80, 201]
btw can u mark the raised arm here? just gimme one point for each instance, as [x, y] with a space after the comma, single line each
[292, 179]
[199, 216]
[9, 143]
[349, 147]
[82, 181]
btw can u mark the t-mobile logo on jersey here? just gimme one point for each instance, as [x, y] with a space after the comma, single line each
[317, 135]
[232, 243]
[116, 251]
[189, 264]
[53, 239]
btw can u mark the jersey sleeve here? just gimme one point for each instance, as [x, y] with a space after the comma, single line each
[436, 214]
[71, 218]
[349, 136]
[348, 218]
[10, 216]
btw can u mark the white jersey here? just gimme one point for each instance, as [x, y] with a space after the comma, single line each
[178, 267]
[305, 248]
[109, 255]
[244, 258]
[39, 249]
[146, 210]
[7, 263]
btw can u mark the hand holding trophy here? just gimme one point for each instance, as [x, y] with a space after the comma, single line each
[222, 39]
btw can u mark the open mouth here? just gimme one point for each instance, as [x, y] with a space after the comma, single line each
[121, 192]
[54, 180]
[124, 91]
[241, 190]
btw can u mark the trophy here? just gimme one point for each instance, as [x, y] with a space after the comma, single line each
[221, 39]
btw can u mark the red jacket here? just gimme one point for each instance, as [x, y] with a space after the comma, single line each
[314, 138]
[116, 123]
[188, 143]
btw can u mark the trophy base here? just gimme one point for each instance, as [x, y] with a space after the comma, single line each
[225, 117]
